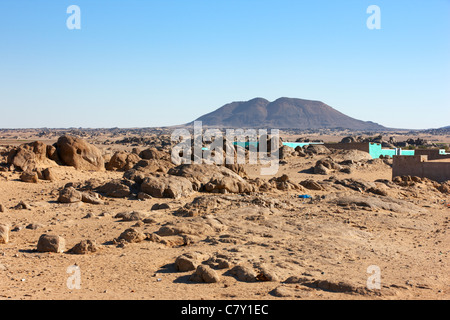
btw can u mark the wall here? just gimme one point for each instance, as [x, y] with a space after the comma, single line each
[433, 154]
[420, 166]
[363, 146]
[299, 144]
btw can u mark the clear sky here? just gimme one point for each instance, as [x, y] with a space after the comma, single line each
[144, 63]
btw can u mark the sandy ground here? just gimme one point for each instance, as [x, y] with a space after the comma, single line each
[274, 231]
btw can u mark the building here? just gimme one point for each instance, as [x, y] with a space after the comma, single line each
[420, 166]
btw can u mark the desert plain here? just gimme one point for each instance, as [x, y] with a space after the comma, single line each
[137, 226]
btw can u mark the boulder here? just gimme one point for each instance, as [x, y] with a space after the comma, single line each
[132, 216]
[349, 140]
[326, 165]
[188, 261]
[286, 152]
[201, 206]
[132, 235]
[317, 149]
[311, 185]
[197, 226]
[244, 273]
[48, 174]
[284, 184]
[166, 186]
[206, 274]
[160, 206]
[358, 185]
[116, 188]
[212, 178]
[91, 197]
[30, 156]
[51, 243]
[122, 161]
[30, 177]
[153, 153]
[77, 153]
[70, 195]
[146, 167]
[84, 247]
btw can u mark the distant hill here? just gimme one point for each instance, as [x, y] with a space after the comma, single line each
[438, 131]
[283, 113]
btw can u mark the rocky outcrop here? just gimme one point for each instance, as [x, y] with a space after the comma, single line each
[31, 157]
[166, 186]
[212, 178]
[76, 152]
[122, 161]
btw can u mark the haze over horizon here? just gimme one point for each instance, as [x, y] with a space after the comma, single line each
[163, 63]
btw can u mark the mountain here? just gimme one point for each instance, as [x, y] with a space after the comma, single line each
[283, 113]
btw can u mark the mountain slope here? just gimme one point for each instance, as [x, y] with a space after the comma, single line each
[283, 113]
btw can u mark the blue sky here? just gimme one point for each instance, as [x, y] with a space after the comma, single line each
[144, 63]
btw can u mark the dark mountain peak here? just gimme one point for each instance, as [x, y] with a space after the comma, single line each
[283, 113]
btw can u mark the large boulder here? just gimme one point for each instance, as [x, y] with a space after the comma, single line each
[286, 152]
[30, 157]
[166, 186]
[326, 165]
[116, 188]
[212, 178]
[76, 152]
[155, 154]
[283, 183]
[317, 149]
[122, 161]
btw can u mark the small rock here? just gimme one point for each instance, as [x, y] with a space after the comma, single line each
[132, 235]
[244, 273]
[2, 208]
[4, 233]
[91, 197]
[204, 273]
[22, 205]
[143, 196]
[160, 206]
[47, 174]
[132, 216]
[281, 292]
[30, 177]
[84, 247]
[187, 262]
[33, 226]
[311, 185]
[70, 195]
[89, 215]
[51, 243]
